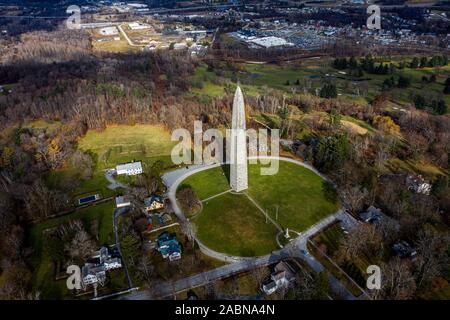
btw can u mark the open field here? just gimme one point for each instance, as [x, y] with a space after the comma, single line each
[114, 145]
[311, 74]
[231, 224]
[119, 144]
[297, 191]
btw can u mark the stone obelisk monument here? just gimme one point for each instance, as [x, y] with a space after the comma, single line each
[238, 152]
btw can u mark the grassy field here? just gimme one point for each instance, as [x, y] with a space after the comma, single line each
[119, 144]
[313, 73]
[231, 224]
[297, 191]
[114, 145]
[44, 268]
[208, 183]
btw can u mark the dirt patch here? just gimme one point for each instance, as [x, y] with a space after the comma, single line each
[353, 128]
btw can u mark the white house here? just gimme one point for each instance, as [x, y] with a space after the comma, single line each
[130, 169]
[93, 274]
[100, 262]
[113, 263]
[282, 276]
[418, 184]
[138, 26]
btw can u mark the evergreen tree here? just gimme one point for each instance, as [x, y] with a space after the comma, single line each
[403, 82]
[328, 91]
[415, 63]
[439, 106]
[419, 102]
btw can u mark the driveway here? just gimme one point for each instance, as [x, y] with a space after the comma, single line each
[109, 175]
[117, 213]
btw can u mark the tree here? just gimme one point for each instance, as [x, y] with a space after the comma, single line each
[419, 101]
[397, 280]
[188, 199]
[328, 91]
[331, 152]
[415, 63]
[386, 124]
[403, 81]
[131, 247]
[388, 84]
[362, 240]
[15, 283]
[151, 178]
[81, 247]
[321, 286]
[334, 118]
[439, 106]
[432, 258]
[146, 269]
[40, 201]
[354, 197]
[440, 186]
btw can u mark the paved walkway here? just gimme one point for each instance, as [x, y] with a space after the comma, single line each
[215, 196]
[109, 175]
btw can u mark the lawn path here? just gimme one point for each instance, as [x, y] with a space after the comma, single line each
[217, 195]
[263, 212]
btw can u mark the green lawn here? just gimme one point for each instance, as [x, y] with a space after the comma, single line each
[208, 183]
[43, 277]
[312, 74]
[297, 191]
[97, 184]
[231, 224]
[119, 144]
[114, 145]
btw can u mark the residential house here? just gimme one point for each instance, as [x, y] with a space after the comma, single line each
[153, 203]
[418, 185]
[372, 214]
[403, 249]
[130, 169]
[168, 245]
[282, 276]
[103, 260]
[93, 274]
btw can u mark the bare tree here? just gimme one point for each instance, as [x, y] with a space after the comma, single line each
[81, 247]
[397, 280]
[354, 197]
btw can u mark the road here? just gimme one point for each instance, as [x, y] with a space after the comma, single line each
[293, 249]
[109, 175]
[116, 214]
[127, 38]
